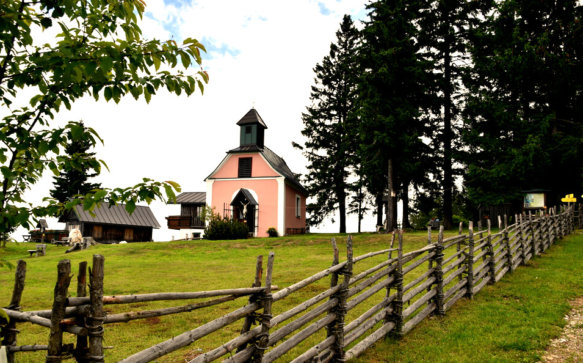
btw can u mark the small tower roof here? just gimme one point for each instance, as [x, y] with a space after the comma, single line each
[252, 117]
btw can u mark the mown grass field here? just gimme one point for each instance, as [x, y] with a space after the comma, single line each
[511, 321]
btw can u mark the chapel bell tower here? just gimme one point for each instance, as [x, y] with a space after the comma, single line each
[252, 129]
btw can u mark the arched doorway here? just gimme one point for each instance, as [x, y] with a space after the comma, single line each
[245, 209]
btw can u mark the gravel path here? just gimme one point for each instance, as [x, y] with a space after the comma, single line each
[569, 346]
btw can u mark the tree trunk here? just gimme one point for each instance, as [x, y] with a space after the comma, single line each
[392, 198]
[405, 199]
[380, 205]
[341, 194]
[447, 132]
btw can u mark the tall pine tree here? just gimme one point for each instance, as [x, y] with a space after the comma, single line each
[73, 179]
[391, 95]
[329, 147]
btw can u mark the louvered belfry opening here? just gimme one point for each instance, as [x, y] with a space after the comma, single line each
[245, 167]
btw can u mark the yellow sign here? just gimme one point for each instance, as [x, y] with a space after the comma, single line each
[569, 199]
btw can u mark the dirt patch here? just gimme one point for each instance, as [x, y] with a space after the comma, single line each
[153, 321]
[569, 346]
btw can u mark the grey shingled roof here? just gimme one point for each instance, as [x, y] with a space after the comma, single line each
[191, 198]
[281, 167]
[251, 117]
[117, 214]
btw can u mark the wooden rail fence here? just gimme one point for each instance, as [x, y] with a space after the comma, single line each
[391, 296]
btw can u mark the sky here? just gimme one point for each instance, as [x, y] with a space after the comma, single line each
[259, 54]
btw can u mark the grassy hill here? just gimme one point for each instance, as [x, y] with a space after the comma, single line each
[540, 291]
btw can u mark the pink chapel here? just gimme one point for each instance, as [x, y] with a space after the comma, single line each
[251, 184]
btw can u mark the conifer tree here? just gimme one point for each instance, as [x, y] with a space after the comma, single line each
[82, 165]
[327, 125]
[391, 96]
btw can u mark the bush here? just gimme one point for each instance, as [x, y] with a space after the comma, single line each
[225, 228]
[272, 232]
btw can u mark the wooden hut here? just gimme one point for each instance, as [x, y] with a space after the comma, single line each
[113, 223]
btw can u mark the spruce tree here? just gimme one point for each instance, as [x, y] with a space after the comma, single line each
[82, 165]
[391, 97]
[327, 125]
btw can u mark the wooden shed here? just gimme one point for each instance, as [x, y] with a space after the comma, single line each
[113, 223]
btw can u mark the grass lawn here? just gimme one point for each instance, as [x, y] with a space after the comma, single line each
[510, 321]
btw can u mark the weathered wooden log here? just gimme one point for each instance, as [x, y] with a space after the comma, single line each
[438, 273]
[457, 287]
[370, 340]
[478, 269]
[339, 311]
[451, 241]
[95, 319]
[454, 299]
[503, 272]
[299, 337]
[304, 306]
[26, 348]
[419, 262]
[130, 299]
[416, 291]
[262, 339]
[307, 281]
[454, 256]
[372, 254]
[483, 253]
[35, 319]
[481, 285]
[420, 302]
[69, 311]
[371, 270]
[314, 351]
[370, 312]
[55, 345]
[249, 320]
[396, 316]
[10, 331]
[286, 330]
[418, 280]
[368, 293]
[82, 347]
[418, 318]
[452, 277]
[369, 324]
[368, 282]
[333, 284]
[134, 315]
[470, 261]
[191, 336]
[459, 263]
[501, 256]
[228, 347]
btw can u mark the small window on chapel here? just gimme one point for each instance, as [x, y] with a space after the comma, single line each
[248, 130]
[245, 167]
[298, 206]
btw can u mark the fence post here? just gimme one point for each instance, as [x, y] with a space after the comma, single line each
[250, 319]
[521, 234]
[340, 309]
[262, 341]
[82, 348]
[55, 349]
[429, 241]
[390, 257]
[470, 262]
[397, 314]
[10, 332]
[438, 273]
[549, 225]
[507, 245]
[333, 283]
[95, 319]
[533, 234]
[491, 264]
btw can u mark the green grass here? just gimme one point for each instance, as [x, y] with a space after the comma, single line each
[510, 321]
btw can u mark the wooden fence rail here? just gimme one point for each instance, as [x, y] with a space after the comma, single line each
[369, 297]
